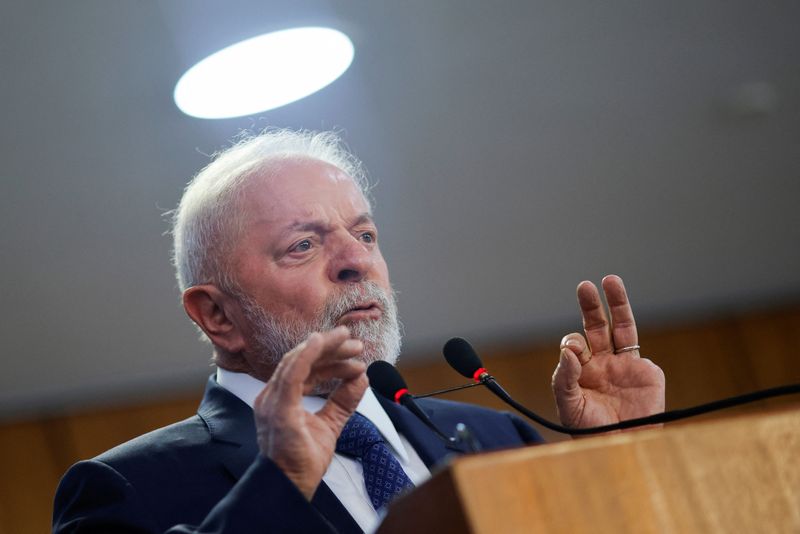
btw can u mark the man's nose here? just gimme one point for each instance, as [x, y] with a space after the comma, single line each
[351, 261]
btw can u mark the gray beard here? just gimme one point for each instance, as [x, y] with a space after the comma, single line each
[273, 338]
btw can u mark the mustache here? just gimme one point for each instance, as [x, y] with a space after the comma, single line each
[352, 297]
[272, 337]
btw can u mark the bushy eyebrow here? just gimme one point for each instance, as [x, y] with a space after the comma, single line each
[320, 227]
[364, 218]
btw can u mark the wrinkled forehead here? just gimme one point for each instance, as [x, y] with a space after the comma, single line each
[290, 185]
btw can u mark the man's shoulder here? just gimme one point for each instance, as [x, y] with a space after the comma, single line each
[179, 436]
[171, 475]
[220, 418]
[178, 443]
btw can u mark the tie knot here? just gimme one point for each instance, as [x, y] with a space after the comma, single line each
[358, 435]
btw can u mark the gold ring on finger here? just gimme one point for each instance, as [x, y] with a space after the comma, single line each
[627, 349]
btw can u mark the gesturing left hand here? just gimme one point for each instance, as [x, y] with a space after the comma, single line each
[601, 379]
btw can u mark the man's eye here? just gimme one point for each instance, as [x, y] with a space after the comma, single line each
[302, 246]
[368, 237]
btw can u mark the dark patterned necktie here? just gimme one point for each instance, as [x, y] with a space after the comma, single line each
[383, 474]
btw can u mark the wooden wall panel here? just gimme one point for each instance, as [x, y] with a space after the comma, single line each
[29, 476]
[702, 362]
[771, 342]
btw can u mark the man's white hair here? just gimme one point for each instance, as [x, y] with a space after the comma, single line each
[207, 221]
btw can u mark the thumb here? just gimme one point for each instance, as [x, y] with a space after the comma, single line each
[565, 386]
[567, 373]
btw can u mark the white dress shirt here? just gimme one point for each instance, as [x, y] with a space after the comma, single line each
[344, 475]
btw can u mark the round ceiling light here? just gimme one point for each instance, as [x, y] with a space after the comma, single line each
[263, 73]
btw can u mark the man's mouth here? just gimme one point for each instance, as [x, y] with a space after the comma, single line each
[368, 311]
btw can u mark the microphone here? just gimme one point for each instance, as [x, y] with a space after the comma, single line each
[387, 381]
[463, 358]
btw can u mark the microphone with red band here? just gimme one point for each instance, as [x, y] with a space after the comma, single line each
[462, 357]
[399, 394]
[387, 381]
[476, 376]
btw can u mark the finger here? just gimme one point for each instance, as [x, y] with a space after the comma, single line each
[595, 322]
[343, 400]
[347, 352]
[319, 347]
[287, 383]
[347, 349]
[339, 370]
[623, 326]
[336, 363]
[577, 344]
[332, 341]
[285, 386]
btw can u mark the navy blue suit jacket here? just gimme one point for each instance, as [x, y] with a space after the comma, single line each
[205, 475]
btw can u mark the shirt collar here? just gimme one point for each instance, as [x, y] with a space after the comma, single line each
[247, 388]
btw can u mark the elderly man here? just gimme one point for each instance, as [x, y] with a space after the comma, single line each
[277, 256]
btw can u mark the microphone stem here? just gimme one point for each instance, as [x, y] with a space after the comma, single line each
[659, 418]
[408, 402]
[448, 390]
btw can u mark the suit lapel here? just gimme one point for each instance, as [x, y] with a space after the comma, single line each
[230, 423]
[334, 511]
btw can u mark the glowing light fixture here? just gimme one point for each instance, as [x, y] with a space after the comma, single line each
[263, 73]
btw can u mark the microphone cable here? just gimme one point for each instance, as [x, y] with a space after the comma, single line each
[463, 358]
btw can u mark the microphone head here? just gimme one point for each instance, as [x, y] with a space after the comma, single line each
[386, 380]
[462, 357]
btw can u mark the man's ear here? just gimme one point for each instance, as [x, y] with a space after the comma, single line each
[216, 314]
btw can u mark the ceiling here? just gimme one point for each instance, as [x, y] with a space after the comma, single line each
[518, 147]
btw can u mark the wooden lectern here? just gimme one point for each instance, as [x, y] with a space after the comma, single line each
[738, 474]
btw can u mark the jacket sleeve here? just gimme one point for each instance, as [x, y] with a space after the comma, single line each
[94, 498]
